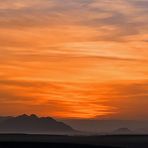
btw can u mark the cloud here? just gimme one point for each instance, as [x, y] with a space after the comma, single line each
[107, 20]
[70, 45]
[57, 99]
[19, 5]
[131, 98]
[120, 100]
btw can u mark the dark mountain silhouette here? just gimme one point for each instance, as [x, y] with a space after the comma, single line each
[122, 131]
[34, 124]
[4, 118]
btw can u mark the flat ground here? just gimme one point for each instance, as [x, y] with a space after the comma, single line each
[22, 140]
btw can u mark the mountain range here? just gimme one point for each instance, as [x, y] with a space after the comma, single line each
[34, 124]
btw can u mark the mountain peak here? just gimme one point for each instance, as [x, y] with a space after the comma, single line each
[34, 116]
[23, 116]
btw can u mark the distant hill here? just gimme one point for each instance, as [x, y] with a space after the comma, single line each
[122, 131]
[34, 124]
[142, 131]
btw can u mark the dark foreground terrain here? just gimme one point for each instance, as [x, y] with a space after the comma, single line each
[41, 141]
[47, 145]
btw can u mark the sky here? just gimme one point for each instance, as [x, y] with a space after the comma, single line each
[81, 59]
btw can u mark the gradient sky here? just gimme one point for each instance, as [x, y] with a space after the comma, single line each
[74, 58]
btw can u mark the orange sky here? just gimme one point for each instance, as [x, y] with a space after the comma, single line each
[74, 59]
